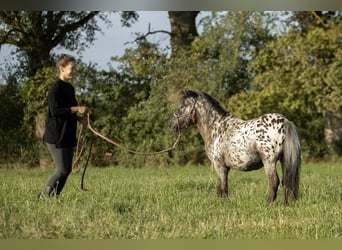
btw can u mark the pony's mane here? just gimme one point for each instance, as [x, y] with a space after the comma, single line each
[208, 98]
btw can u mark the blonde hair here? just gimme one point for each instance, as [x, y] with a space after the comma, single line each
[63, 61]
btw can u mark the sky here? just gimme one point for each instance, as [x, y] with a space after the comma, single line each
[114, 40]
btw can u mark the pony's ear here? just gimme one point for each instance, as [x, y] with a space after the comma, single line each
[187, 94]
[183, 93]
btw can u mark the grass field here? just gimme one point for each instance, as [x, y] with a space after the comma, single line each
[170, 203]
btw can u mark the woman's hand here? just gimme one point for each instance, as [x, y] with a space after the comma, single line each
[82, 110]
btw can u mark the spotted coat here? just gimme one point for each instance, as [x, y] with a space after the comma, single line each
[233, 143]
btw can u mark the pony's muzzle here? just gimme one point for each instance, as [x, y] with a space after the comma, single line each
[174, 123]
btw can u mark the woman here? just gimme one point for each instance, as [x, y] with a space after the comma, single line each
[61, 123]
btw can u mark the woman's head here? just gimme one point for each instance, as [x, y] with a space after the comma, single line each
[65, 66]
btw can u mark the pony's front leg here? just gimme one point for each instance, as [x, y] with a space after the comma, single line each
[222, 180]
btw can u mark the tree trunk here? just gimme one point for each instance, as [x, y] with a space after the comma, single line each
[183, 30]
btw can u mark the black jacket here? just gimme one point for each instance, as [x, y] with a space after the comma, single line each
[61, 124]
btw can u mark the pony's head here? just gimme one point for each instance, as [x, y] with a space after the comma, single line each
[186, 112]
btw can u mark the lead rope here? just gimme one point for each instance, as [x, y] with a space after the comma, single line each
[81, 139]
[79, 149]
[90, 127]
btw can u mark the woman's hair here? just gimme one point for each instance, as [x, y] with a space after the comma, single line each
[63, 61]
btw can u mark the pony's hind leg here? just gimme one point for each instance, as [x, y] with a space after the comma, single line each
[273, 181]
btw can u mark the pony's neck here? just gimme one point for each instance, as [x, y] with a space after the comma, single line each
[207, 118]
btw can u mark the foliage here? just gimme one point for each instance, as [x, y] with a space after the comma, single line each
[250, 66]
[292, 75]
[122, 108]
[204, 66]
[150, 78]
[36, 33]
[11, 116]
[34, 95]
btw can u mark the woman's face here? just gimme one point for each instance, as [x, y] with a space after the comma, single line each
[67, 72]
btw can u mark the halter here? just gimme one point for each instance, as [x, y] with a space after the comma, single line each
[191, 113]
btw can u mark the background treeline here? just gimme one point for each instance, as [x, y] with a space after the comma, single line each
[252, 62]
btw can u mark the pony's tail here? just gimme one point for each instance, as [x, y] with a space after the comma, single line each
[291, 161]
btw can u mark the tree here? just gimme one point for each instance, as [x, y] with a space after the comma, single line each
[124, 107]
[214, 62]
[183, 30]
[36, 33]
[11, 116]
[297, 75]
[313, 19]
[309, 20]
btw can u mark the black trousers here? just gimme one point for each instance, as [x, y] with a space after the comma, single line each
[62, 158]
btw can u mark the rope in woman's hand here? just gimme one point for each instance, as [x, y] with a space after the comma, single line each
[80, 149]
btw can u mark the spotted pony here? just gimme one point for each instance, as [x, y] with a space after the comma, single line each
[233, 143]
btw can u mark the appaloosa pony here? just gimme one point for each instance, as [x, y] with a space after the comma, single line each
[233, 143]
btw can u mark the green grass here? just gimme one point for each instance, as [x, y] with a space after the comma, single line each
[160, 203]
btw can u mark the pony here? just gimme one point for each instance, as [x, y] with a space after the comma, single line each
[245, 145]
